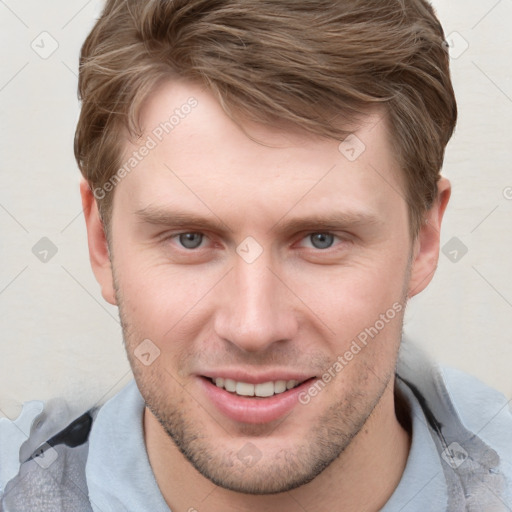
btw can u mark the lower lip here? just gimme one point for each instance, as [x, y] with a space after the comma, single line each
[253, 409]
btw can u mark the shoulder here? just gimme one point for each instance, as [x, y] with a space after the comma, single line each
[42, 458]
[482, 409]
[471, 425]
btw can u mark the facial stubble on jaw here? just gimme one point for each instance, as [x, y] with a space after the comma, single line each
[280, 469]
[277, 472]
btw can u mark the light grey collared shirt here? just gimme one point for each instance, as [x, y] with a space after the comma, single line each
[460, 458]
[120, 477]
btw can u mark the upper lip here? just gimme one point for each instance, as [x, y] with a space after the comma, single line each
[256, 378]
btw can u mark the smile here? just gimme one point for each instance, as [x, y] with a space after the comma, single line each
[263, 390]
[256, 402]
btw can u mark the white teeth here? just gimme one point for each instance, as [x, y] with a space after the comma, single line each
[244, 389]
[230, 385]
[280, 386]
[263, 390]
[291, 384]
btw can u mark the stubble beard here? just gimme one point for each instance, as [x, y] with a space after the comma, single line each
[277, 472]
[281, 470]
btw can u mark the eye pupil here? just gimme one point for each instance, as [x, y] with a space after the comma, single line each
[322, 240]
[191, 240]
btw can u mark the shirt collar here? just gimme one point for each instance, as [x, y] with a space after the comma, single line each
[422, 486]
[118, 472]
[120, 478]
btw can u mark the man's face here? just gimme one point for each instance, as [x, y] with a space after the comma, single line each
[261, 263]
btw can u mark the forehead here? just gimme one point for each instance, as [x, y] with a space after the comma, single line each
[197, 153]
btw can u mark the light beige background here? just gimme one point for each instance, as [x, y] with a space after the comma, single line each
[59, 338]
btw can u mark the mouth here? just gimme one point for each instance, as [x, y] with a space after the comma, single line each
[247, 402]
[261, 390]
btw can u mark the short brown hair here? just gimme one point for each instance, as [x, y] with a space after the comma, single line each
[292, 61]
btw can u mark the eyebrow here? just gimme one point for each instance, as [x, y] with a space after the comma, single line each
[159, 216]
[336, 220]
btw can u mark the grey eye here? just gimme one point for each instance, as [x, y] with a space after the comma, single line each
[191, 240]
[321, 240]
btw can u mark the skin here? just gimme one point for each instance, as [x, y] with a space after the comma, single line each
[296, 307]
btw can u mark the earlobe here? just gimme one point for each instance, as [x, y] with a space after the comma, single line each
[98, 248]
[426, 245]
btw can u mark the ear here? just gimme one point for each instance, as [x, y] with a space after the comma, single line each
[426, 245]
[98, 248]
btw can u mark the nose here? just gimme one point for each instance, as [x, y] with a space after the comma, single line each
[256, 308]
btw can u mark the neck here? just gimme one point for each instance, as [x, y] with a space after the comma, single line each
[374, 460]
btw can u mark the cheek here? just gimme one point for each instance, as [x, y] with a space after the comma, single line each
[361, 309]
[161, 302]
[352, 295]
